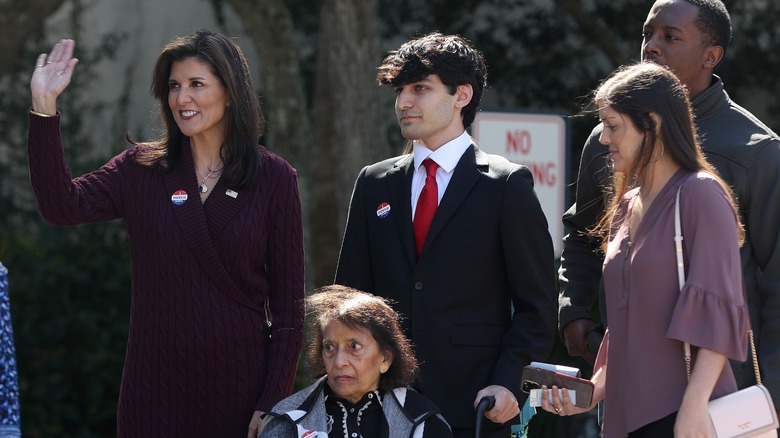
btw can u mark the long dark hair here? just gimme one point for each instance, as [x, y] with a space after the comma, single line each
[636, 91]
[360, 310]
[244, 119]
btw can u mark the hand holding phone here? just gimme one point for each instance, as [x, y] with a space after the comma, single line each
[535, 397]
[533, 378]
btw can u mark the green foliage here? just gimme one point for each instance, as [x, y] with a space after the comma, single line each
[749, 70]
[70, 303]
[69, 287]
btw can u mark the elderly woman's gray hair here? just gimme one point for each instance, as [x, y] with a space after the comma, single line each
[360, 310]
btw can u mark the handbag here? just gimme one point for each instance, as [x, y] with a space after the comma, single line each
[749, 412]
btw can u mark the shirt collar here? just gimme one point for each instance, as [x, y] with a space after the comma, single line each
[710, 101]
[331, 396]
[447, 156]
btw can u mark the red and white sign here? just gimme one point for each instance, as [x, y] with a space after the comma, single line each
[537, 141]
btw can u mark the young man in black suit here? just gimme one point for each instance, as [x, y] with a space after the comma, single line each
[456, 238]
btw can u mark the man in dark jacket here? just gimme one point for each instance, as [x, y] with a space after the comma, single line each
[476, 280]
[690, 37]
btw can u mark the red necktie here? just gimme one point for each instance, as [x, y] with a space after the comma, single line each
[426, 205]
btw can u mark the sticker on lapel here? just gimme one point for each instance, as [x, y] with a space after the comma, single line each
[383, 210]
[179, 197]
[233, 194]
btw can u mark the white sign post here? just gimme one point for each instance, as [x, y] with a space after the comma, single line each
[537, 141]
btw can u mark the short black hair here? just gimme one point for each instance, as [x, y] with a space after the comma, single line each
[714, 22]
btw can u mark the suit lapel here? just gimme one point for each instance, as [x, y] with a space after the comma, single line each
[466, 174]
[399, 182]
[192, 220]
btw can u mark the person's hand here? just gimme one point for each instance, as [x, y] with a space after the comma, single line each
[575, 336]
[51, 76]
[506, 407]
[560, 406]
[256, 425]
[693, 421]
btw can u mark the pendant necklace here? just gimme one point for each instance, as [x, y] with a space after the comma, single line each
[202, 187]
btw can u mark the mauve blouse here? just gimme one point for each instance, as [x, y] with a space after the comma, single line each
[650, 318]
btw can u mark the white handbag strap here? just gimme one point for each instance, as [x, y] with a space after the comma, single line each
[678, 238]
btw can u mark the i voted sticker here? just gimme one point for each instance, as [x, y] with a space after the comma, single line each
[383, 210]
[179, 197]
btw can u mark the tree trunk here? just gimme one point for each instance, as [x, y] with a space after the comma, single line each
[346, 121]
[288, 131]
[19, 19]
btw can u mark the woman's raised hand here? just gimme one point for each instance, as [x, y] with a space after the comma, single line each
[51, 76]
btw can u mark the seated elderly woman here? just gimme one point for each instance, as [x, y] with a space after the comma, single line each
[364, 364]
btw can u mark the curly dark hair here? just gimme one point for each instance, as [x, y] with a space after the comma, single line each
[450, 57]
[360, 310]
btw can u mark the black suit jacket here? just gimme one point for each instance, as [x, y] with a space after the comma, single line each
[480, 303]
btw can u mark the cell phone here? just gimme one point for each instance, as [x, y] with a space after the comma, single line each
[535, 378]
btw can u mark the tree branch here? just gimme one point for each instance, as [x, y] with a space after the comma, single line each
[20, 19]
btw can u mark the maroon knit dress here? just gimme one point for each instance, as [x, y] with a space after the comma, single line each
[200, 358]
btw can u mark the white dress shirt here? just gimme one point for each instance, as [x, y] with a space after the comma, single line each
[447, 157]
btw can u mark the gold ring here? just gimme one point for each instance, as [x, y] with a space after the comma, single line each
[558, 411]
